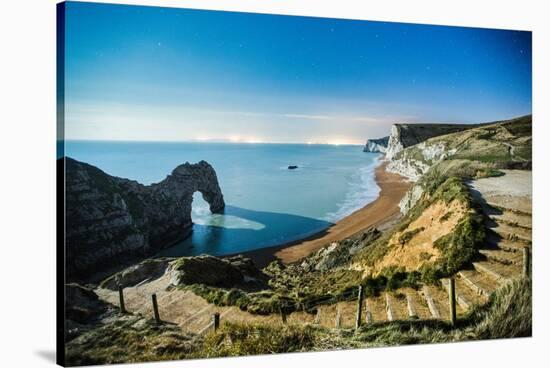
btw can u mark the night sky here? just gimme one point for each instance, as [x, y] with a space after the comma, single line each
[147, 73]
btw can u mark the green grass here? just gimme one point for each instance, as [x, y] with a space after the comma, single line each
[525, 152]
[238, 340]
[130, 339]
[291, 290]
[521, 127]
[450, 190]
[408, 235]
[261, 302]
[507, 314]
[460, 247]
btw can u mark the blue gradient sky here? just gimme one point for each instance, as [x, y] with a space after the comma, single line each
[146, 73]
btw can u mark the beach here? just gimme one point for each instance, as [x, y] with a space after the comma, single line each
[330, 183]
[377, 213]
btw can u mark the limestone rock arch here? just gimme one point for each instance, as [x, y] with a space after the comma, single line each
[111, 220]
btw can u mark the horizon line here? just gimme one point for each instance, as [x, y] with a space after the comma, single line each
[208, 141]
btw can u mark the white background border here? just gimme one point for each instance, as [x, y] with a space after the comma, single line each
[27, 179]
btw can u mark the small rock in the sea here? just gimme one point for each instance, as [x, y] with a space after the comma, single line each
[292, 167]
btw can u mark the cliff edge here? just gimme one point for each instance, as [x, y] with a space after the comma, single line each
[406, 135]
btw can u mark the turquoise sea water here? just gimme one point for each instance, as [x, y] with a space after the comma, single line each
[266, 204]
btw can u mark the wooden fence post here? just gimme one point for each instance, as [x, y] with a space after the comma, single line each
[526, 261]
[155, 308]
[216, 321]
[317, 319]
[410, 306]
[368, 313]
[452, 301]
[389, 309]
[338, 320]
[121, 299]
[431, 304]
[359, 307]
[283, 314]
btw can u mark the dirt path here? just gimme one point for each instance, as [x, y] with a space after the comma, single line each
[194, 314]
[511, 150]
[506, 202]
[191, 312]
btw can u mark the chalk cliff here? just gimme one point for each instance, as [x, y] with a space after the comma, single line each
[406, 135]
[462, 150]
[376, 145]
[415, 161]
[111, 219]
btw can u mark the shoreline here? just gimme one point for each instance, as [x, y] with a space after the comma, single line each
[378, 213]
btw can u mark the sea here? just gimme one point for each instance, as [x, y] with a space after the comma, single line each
[266, 203]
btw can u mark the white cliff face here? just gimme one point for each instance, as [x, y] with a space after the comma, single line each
[435, 152]
[417, 160]
[394, 144]
[376, 145]
[410, 198]
[408, 167]
[412, 163]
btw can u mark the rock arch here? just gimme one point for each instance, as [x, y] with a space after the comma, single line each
[110, 220]
[188, 178]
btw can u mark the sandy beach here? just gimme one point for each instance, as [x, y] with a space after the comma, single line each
[377, 213]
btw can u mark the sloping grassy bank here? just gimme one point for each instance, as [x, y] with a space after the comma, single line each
[133, 339]
[508, 314]
[456, 248]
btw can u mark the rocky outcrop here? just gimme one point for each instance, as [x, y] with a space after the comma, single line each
[82, 304]
[83, 310]
[149, 269]
[376, 145]
[214, 271]
[111, 219]
[406, 135]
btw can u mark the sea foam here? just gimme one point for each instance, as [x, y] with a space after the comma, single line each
[363, 190]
